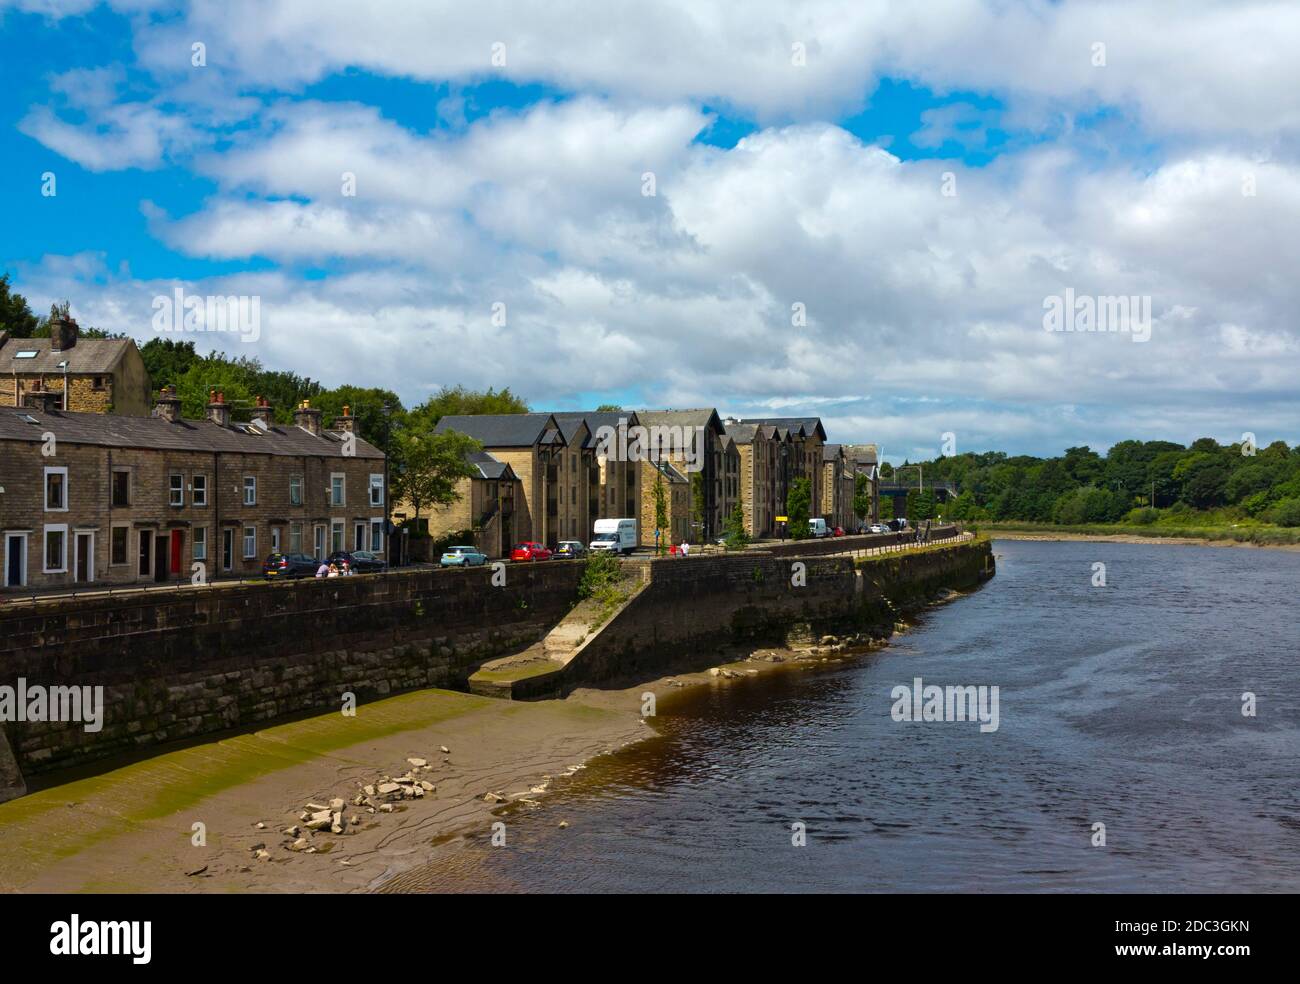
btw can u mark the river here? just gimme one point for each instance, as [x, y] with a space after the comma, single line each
[1118, 705]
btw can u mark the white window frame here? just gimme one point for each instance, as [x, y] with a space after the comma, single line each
[199, 490]
[199, 543]
[45, 548]
[339, 527]
[319, 540]
[245, 538]
[376, 486]
[175, 489]
[295, 486]
[377, 534]
[45, 488]
[342, 499]
[250, 485]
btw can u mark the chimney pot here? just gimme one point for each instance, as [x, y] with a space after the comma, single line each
[262, 411]
[63, 334]
[168, 404]
[308, 418]
[218, 411]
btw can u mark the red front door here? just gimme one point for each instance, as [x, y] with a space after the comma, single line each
[177, 538]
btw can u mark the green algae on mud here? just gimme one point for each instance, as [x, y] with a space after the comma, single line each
[58, 822]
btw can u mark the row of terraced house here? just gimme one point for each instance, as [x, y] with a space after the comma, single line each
[548, 477]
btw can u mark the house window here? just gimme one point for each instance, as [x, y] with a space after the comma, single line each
[199, 491]
[56, 549]
[176, 490]
[98, 383]
[121, 488]
[117, 545]
[295, 538]
[295, 490]
[336, 535]
[200, 543]
[377, 490]
[377, 536]
[250, 542]
[337, 490]
[56, 490]
[250, 490]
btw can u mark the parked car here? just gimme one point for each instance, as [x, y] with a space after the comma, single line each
[463, 557]
[616, 535]
[570, 550]
[285, 567]
[360, 561]
[838, 531]
[530, 551]
[879, 528]
[818, 528]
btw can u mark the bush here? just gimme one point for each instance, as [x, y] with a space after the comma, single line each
[1286, 513]
[1143, 516]
[602, 572]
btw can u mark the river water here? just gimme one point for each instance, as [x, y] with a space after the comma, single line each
[1118, 705]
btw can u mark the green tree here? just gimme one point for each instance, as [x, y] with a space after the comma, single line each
[609, 408]
[798, 502]
[697, 501]
[861, 497]
[457, 400]
[16, 317]
[734, 529]
[167, 360]
[661, 509]
[431, 468]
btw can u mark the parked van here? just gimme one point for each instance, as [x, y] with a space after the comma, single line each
[818, 527]
[618, 535]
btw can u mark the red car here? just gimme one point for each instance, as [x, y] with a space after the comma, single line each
[838, 531]
[530, 551]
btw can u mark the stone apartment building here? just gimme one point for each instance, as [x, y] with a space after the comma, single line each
[755, 481]
[803, 438]
[677, 502]
[617, 483]
[703, 429]
[554, 479]
[485, 507]
[864, 460]
[730, 478]
[837, 488]
[104, 375]
[90, 498]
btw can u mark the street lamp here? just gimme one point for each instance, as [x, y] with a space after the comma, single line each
[64, 366]
[388, 525]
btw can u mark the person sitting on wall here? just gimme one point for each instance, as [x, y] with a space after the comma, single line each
[323, 570]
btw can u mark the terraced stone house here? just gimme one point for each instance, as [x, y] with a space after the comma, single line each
[103, 375]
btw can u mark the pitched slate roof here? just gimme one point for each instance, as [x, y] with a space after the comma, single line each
[742, 433]
[118, 431]
[595, 420]
[504, 430]
[489, 467]
[89, 355]
[705, 417]
[831, 451]
[808, 425]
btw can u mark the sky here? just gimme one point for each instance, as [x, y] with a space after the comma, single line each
[845, 208]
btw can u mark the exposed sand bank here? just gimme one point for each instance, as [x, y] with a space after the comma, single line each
[131, 829]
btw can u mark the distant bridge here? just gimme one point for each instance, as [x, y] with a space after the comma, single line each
[943, 492]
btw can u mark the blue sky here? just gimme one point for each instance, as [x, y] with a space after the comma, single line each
[868, 234]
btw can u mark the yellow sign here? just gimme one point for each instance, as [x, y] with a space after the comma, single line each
[783, 519]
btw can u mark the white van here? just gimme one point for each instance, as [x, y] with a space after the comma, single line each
[818, 527]
[618, 535]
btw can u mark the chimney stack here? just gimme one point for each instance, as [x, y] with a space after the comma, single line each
[63, 334]
[46, 401]
[218, 410]
[262, 412]
[168, 405]
[308, 418]
[347, 423]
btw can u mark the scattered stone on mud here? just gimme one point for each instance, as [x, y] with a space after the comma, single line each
[493, 798]
[444, 749]
[419, 763]
[196, 871]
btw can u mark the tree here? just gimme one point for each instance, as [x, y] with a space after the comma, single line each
[661, 509]
[734, 529]
[798, 501]
[16, 316]
[167, 360]
[609, 408]
[431, 468]
[456, 400]
[861, 497]
[697, 501]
